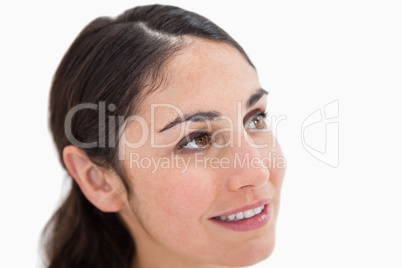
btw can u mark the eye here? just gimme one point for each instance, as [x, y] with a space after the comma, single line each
[257, 121]
[194, 141]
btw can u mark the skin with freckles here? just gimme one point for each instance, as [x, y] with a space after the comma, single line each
[170, 211]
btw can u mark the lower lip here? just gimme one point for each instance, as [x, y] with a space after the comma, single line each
[249, 224]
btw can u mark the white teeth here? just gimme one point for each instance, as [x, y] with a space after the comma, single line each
[239, 216]
[249, 213]
[242, 215]
[231, 217]
[257, 210]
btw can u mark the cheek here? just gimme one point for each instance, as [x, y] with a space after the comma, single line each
[279, 167]
[169, 202]
[189, 194]
[276, 162]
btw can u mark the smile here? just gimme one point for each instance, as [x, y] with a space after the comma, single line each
[247, 218]
[241, 215]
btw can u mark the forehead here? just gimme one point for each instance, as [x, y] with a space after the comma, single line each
[205, 75]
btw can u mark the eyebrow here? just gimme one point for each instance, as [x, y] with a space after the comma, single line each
[195, 117]
[211, 115]
[255, 97]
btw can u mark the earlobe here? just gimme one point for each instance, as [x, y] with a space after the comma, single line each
[101, 188]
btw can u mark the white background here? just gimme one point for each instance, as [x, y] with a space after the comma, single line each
[308, 54]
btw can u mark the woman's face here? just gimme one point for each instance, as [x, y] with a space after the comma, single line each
[203, 151]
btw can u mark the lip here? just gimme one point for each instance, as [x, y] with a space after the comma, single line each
[249, 224]
[266, 202]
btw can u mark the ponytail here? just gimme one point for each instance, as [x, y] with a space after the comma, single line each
[80, 235]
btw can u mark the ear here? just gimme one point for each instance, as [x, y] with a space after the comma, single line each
[102, 188]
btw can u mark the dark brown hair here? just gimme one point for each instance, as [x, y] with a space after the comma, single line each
[111, 61]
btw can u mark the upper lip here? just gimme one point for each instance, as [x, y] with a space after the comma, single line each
[260, 203]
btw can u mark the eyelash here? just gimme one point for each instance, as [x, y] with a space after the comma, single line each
[191, 137]
[200, 133]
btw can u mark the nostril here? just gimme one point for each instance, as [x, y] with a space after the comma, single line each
[263, 184]
[246, 186]
[247, 176]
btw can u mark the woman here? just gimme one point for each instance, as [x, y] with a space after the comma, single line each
[159, 118]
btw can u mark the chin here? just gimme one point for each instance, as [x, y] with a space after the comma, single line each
[252, 253]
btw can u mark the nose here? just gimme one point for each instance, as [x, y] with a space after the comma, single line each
[248, 170]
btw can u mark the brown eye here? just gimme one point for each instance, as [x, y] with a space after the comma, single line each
[196, 141]
[201, 140]
[257, 122]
